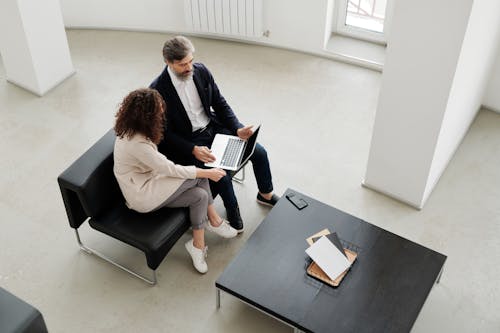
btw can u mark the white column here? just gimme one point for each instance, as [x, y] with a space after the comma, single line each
[33, 44]
[435, 74]
[491, 98]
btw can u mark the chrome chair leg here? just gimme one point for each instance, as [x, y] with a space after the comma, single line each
[241, 179]
[89, 250]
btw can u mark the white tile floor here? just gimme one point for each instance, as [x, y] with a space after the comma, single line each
[300, 99]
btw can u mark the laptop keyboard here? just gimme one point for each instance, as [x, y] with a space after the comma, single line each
[230, 156]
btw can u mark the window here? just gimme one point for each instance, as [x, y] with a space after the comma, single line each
[364, 19]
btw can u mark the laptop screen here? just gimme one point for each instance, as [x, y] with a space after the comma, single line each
[249, 147]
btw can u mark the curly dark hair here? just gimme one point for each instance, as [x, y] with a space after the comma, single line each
[142, 111]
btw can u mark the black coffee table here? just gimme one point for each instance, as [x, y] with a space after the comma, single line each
[383, 291]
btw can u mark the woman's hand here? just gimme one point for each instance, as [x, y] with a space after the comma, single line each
[214, 174]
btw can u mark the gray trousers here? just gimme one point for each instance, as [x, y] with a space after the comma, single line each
[195, 194]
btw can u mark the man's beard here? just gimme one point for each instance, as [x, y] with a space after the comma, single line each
[184, 76]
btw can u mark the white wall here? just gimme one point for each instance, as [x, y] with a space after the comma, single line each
[492, 96]
[330, 21]
[476, 61]
[298, 25]
[154, 15]
[420, 65]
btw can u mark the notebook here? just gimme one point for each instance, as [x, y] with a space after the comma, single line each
[232, 152]
[334, 238]
[328, 257]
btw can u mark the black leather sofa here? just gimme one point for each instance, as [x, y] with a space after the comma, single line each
[17, 316]
[90, 192]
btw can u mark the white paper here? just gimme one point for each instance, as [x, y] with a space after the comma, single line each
[328, 257]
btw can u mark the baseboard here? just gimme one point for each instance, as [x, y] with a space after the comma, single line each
[324, 54]
[490, 108]
[356, 61]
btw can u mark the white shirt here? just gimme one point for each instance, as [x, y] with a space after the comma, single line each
[190, 99]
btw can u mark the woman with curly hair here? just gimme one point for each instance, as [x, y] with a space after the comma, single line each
[149, 181]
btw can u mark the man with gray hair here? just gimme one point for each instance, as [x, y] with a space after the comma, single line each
[196, 111]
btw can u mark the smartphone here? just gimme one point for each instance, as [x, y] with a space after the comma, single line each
[296, 201]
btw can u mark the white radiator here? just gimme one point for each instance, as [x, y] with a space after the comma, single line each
[225, 17]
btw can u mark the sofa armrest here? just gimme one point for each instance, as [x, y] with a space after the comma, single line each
[88, 184]
[18, 316]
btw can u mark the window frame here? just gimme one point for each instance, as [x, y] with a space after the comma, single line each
[377, 37]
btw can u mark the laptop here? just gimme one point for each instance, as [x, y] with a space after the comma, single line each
[232, 152]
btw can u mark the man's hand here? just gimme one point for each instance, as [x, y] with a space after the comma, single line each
[245, 132]
[215, 174]
[202, 153]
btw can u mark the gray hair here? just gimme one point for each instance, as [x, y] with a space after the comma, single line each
[177, 48]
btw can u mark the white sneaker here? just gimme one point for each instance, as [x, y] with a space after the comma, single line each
[198, 256]
[223, 230]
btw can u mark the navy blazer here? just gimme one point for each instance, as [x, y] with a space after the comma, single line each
[176, 143]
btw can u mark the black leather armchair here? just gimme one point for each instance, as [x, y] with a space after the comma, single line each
[90, 192]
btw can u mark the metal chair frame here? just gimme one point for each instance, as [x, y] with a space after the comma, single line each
[89, 250]
[241, 179]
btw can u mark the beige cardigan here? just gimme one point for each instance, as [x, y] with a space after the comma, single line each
[145, 176]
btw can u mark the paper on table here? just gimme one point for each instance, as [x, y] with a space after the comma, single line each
[328, 257]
